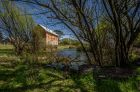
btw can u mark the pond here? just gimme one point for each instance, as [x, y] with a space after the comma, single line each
[78, 59]
[73, 54]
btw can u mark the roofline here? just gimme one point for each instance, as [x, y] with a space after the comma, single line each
[48, 30]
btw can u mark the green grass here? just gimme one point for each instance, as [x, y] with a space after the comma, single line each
[6, 50]
[19, 76]
[22, 77]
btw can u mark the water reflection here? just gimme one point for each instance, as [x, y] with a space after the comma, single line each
[73, 54]
[78, 59]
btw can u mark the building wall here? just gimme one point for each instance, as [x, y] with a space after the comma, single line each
[51, 39]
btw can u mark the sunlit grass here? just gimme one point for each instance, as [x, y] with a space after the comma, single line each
[33, 78]
[6, 46]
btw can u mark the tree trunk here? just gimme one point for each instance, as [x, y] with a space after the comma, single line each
[18, 50]
[122, 57]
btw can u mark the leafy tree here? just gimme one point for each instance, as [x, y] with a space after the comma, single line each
[69, 41]
[16, 25]
[38, 39]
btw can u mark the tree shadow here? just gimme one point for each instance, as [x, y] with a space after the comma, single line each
[105, 82]
[5, 75]
[78, 83]
[6, 51]
[26, 77]
[106, 86]
[17, 80]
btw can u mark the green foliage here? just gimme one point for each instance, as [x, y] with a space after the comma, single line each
[68, 41]
[133, 56]
[16, 24]
[137, 42]
[38, 39]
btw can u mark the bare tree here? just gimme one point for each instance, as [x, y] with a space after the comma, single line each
[125, 17]
[80, 17]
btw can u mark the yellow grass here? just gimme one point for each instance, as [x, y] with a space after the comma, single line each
[6, 46]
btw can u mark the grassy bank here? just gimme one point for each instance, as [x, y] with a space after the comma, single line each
[61, 47]
[33, 77]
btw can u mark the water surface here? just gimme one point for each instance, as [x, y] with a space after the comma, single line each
[73, 54]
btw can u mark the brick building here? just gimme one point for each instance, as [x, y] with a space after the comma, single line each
[51, 37]
[48, 37]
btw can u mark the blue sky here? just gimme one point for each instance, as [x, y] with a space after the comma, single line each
[42, 18]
